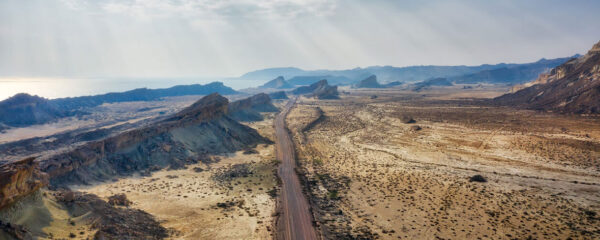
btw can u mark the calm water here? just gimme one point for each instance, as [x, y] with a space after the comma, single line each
[58, 87]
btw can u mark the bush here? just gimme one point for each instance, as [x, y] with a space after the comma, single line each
[477, 178]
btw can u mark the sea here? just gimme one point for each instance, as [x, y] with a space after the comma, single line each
[73, 87]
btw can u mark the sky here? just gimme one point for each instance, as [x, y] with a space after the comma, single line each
[101, 39]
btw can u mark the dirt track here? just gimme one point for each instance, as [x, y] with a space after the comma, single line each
[296, 221]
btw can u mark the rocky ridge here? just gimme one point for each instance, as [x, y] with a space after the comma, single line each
[573, 87]
[319, 90]
[187, 137]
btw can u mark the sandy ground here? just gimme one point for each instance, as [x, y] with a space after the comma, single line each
[373, 174]
[44, 216]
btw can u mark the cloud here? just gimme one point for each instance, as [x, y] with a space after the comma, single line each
[208, 9]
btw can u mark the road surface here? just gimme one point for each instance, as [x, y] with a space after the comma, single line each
[296, 220]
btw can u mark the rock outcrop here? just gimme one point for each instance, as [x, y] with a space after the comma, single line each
[370, 82]
[573, 87]
[320, 90]
[19, 179]
[277, 83]
[249, 109]
[434, 82]
[278, 95]
[187, 137]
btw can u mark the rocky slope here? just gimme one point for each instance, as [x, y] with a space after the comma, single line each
[19, 179]
[249, 109]
[186, 137]
[573, 87]
[278, 95]
[277, 83]
[320, 90]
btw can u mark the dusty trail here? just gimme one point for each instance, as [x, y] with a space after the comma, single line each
[296, 221]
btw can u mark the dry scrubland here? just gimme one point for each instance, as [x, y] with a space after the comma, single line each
[399, 166]
[231, 198]
[225, 197]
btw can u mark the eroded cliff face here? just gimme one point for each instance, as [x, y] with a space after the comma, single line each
[19, 179]
[573, 87]
[249, 109]
[190, 136]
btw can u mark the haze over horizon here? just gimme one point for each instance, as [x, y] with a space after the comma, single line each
[118, 39]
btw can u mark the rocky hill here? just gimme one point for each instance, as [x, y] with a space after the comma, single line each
[277, 83]
[320, 90]
[189, 136]
[573, 87]
[370, 82]
[24, 110]
[249, 109]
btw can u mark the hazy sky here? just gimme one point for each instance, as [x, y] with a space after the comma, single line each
[201, 38]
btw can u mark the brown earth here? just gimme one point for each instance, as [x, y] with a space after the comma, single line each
[371, 175]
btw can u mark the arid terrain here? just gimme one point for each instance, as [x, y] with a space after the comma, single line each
[223, 196]
[404, 165]
[231, 198]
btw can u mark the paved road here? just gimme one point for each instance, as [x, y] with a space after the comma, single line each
[296, 220]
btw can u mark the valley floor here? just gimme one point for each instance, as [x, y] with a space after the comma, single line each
[398, 166]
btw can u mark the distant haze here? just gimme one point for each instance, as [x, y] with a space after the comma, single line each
[183, 39]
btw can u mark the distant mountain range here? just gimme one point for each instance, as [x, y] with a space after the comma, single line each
[23, 109]
[515, 74]
[503, 73]
[573, 87]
